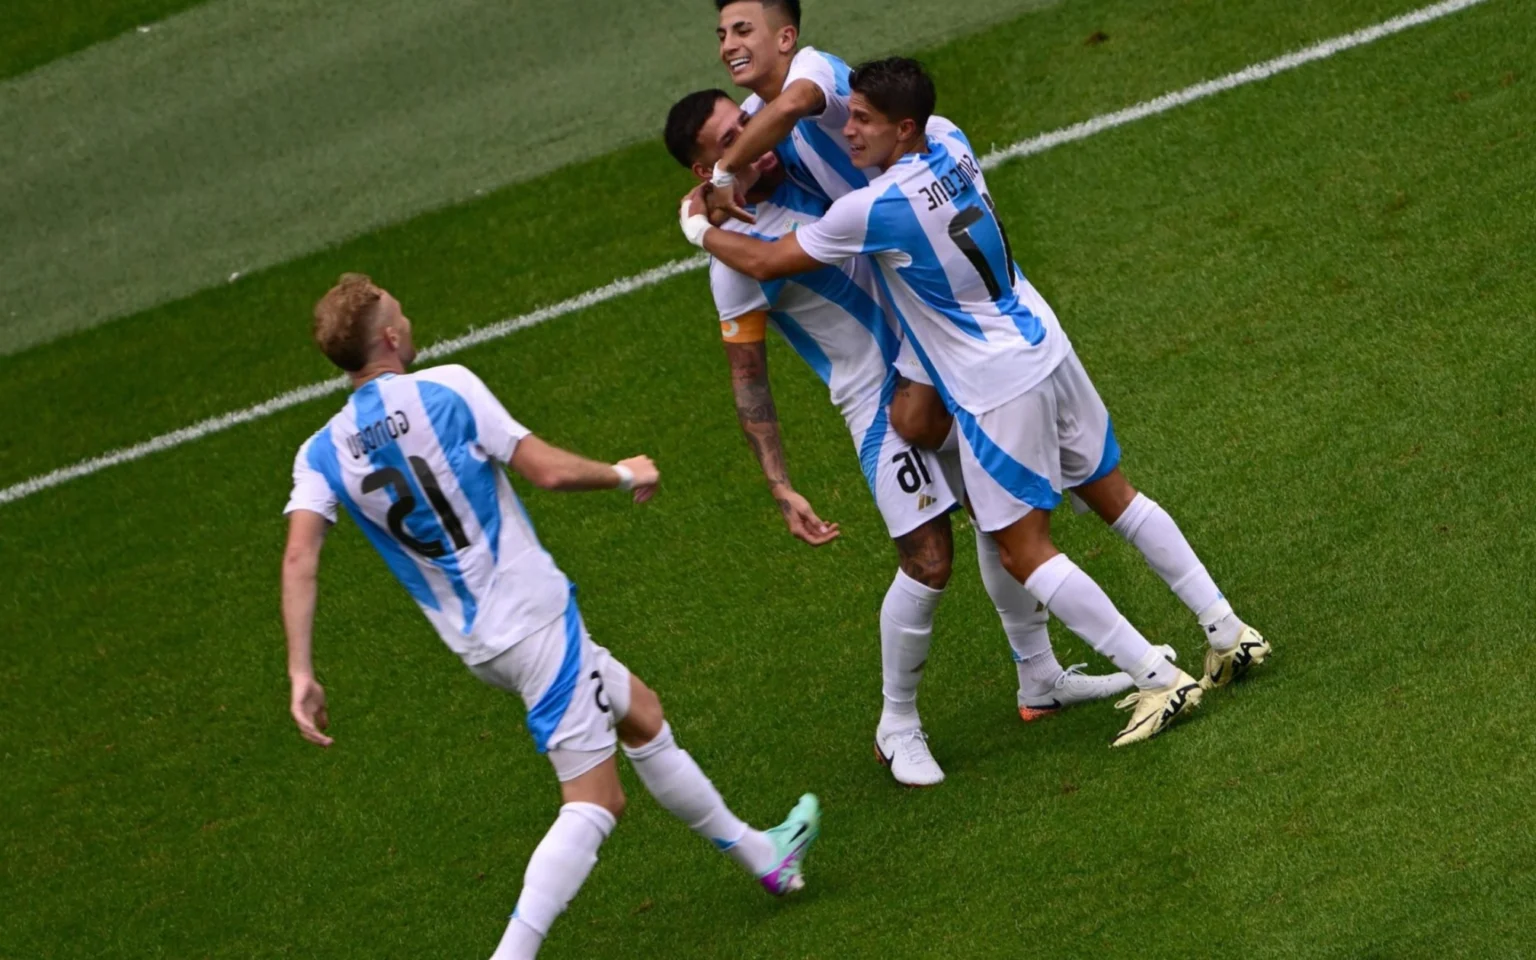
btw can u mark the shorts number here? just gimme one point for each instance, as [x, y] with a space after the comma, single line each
[960, 232]
[913, 472]
[405, 505]
[600, 697]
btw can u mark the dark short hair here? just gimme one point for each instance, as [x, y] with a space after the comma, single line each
[684, 121]
[790, 8]
[898, 87]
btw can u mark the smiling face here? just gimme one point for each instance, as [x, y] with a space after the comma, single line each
[875, 140]
[716, 136]
[756, 44]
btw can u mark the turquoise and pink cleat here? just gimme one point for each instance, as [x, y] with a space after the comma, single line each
[792, 840]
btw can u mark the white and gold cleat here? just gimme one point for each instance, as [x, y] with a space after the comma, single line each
[1153, 711]
[1224, 666]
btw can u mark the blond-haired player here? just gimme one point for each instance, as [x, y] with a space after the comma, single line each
[417, 459]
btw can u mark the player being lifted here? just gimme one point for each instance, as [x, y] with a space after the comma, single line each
[418, 461]
[799, 104]
[1030, 422]
[832, 318]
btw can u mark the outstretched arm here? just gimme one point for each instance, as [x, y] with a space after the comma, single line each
[771, 124]
[551, 468]
[759, 420]
[768, 127]
[301, 569]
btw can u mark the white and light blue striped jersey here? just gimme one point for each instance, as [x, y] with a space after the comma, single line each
[831, 317]
[980, 329]
[816, 154]
[417, 461]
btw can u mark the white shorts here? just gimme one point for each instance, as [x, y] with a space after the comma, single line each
[575, 692]
[908, 482]
[1022, 455]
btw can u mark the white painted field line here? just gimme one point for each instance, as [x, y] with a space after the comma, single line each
[628, 285]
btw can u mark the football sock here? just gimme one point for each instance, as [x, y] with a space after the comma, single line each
[1149, 528]
[906, 630]
[557, 869]
[677, 783]
[1087, 611]
[1024, 621]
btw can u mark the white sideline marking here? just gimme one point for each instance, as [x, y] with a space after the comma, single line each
[627, 285]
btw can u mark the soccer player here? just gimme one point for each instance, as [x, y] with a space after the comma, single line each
[833, 319]
[418, 461]
[1030, 421]
[799, 103]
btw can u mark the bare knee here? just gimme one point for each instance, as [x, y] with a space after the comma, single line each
[1026, 545]
[1108, 496]
[599, 786]
[927, 554]
[918, 415]
[644, 721]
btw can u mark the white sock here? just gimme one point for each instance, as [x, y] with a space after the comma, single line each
[1024, 620]
[906, 630]
[557, 869]
[1088, 612]
[1148, 527]
[677, 783]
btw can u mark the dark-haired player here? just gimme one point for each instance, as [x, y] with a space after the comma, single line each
[833, 319]
[1031, 423]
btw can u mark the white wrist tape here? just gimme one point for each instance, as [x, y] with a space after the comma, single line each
[694, 225]
[722, 179]
[626, 476]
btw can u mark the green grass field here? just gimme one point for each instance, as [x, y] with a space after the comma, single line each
[1308, 303]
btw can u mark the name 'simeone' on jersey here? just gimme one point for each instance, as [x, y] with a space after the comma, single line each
[418, 460]
[983, 333]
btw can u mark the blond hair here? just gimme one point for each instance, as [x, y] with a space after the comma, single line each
[346, 319]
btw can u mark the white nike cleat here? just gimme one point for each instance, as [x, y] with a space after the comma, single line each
[1154, 710]
[906, 753]
[1224, 666]
[1074, 687]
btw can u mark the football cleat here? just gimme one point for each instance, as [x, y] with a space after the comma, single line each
[1224, 666]
[1074, 687]
[906, 753]
[792, 840]
[1154, 710]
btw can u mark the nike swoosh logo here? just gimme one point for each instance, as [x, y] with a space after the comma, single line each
[798, 833]
[1053, 705]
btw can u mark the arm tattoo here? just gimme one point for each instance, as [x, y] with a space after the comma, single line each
[755, 410]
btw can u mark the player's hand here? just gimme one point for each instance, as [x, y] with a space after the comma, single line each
[308, 708]
[647, 476]
[726, 203]
[802, 520]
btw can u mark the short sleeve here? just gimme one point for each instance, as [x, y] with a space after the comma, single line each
[497, 433]
[814, 66]
[735, 293]
[311, 491]
[843, 233]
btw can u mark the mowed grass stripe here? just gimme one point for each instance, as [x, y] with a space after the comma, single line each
[245, 133]
[1034, 145]
[39, 31]
[529, 246]
[1317, 361]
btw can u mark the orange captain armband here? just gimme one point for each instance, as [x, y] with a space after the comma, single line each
[747, 328]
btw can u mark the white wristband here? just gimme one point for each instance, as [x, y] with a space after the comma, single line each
[694, 229]
[626, 476]
[722, 179]
[694, 225]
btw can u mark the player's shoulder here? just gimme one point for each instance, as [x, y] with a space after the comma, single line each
[455, 376]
